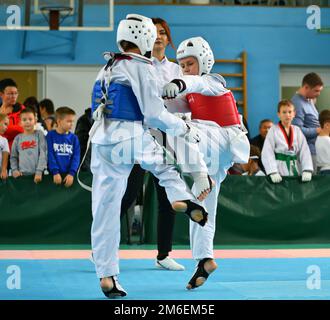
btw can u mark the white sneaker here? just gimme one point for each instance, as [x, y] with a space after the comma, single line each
[169, 264]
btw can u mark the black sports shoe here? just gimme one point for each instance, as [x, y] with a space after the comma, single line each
[116, 291]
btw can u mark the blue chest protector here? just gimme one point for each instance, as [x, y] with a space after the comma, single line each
[125, 105]
[121, 103]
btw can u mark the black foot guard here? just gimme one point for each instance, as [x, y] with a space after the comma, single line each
[116, 291]
[199, 276]
[195, 212]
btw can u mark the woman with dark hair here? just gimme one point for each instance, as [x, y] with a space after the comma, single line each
[10, 107]
[166, 216]
[164, 39]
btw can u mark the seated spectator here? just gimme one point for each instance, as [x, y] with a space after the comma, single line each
[83, 126]
[10, 107]
[29, 149]
[4, 147]
[322, 144]
[46, 109]
[285, 151]
[264, 127]
[63, 148]
[251, 168]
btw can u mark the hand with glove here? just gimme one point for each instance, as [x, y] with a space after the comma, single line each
[275, 177]
[306, 176]
[172, 89]
[192, 135]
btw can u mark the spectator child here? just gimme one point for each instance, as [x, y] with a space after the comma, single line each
[285, 151]
[322, 144]
[29, 149]
[4, 146]
[32, 104]
[63, 148]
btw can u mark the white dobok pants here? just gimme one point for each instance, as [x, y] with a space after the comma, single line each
[111, 165]
[219, 148]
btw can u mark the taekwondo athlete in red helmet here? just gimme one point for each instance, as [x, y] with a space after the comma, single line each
[204, 101]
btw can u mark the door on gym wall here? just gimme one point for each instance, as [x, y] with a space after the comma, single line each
[28, 82]
[62, 84]
[291, 78]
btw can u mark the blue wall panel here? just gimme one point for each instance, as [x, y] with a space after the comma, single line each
[270, 36]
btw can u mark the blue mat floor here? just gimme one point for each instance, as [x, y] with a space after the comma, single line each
[235, 279]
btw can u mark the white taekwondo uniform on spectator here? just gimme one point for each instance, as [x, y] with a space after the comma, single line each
[322, 147]
[276, 143]
[111, 137]
[220, 150]
[4, 147]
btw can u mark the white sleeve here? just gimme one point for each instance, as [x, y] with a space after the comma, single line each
[5, 145]
[326, 149]
[268, 153]
[208, 85]
[322, 147]
[144, 85]
[179, 104]
[14, 154]
[304, 155]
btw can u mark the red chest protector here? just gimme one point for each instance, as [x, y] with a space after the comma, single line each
[220, 109]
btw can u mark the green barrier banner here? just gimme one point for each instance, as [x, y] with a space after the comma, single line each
[258, 211]
[44, 213]
[251, 210]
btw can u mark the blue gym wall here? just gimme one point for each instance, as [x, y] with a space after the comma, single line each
[270, 36]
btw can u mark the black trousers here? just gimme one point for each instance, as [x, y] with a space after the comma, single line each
[166, 215]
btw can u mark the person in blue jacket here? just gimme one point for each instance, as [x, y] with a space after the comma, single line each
[307, 115]
[63, 148]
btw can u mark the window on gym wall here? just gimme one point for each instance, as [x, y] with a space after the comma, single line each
[290, 81]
